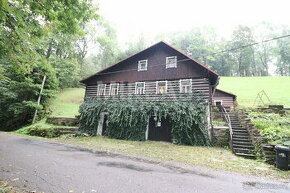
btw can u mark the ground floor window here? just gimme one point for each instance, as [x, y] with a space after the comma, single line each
[140, 88]
[114, 88]
[161, 87]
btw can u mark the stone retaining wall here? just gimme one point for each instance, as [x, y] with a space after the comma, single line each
[64, 121]
[221, 136]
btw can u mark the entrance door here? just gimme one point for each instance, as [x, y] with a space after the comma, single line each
[159, 132]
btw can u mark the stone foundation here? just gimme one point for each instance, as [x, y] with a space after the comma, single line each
[221, 136]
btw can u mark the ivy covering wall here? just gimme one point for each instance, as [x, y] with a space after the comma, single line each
[128, 118]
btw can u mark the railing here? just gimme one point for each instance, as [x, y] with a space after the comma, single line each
[228, 120]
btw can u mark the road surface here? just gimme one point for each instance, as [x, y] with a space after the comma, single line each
[43, 166]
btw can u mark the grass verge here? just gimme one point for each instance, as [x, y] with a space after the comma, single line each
[213, 157]
[6, 188]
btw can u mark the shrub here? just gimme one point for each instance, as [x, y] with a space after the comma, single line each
[42, 132]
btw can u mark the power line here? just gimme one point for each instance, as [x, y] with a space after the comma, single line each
[202, 56]
[245, 46]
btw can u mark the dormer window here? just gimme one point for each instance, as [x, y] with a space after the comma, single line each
[161, 87]
[140, 88]
[171, 62]
[185, 86]
[101, 89]
[142, 65]
[114, 89]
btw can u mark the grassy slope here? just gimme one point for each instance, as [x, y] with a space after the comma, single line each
[66, 103]
[247, 88]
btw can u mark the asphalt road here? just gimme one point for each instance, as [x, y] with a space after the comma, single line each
[43, 166]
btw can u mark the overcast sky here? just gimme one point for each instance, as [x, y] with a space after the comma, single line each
[150, 17]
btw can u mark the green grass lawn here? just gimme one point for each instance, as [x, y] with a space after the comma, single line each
[67, 102]
[213, 157]
[247, 88]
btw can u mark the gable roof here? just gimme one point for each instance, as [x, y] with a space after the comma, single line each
[212, 72]
[228, 93]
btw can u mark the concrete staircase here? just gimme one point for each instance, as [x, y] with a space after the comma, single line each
[241, 142]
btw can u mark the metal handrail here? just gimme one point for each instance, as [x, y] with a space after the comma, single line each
[228, 120]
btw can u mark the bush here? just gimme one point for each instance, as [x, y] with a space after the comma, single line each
[273, 126]
[43, 132]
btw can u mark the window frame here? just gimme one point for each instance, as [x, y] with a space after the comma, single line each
[140, 64]
[180, 85]
[214, 101]
[157, 82]
[118, 87]
[171, 65]
[136, 83]
[98, 91]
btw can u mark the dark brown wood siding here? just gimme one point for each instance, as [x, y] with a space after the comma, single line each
[227, 99]
[127, 71]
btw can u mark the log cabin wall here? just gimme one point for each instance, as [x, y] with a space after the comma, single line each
[200, 87]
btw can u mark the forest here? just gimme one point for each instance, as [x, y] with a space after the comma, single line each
[55, 39]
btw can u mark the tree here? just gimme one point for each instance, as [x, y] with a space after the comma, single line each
[283, 54]
[26, 48]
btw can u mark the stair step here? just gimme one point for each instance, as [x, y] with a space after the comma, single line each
[241, 150]
[239, 129]
[245, 155]
[241, 140]
[240, 134]
[248, 143]
[250, 147]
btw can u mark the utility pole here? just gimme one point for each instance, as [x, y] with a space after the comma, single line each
[39, 97]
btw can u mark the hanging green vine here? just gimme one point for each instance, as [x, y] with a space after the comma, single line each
[128, 118]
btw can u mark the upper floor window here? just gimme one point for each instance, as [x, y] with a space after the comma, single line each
[171, 62]
[101, 89]
[161, 87]
[185, 86]
[142, 65]
[140, 88]
[114, 88]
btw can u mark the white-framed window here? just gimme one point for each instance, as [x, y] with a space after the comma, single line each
[171, 62]
[114, 88]
[140, 88]
[218, 102]
[161, 87]
[101, 89]
[185, 86]
[142, 65]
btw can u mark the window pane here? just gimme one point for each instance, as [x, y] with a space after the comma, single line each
[142, 65]
[114, 88]
[101, 89]
[171, 62]
[140, 88]
[161, 87]
[185, 86]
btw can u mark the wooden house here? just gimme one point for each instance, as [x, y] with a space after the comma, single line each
[226, 99]
[158, 70]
